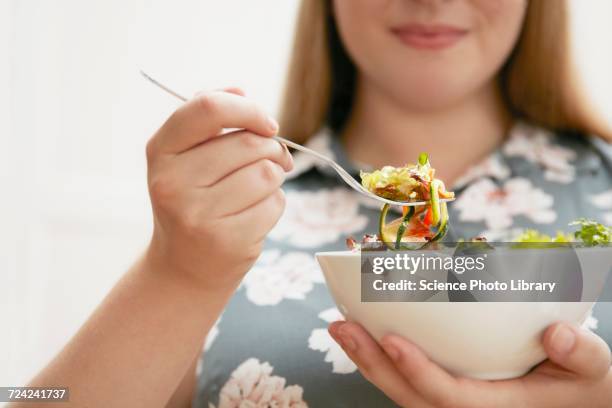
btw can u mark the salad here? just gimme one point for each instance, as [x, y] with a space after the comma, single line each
[426, 224]
[412, 182]
[590, 233]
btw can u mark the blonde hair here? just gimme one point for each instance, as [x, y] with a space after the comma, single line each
[539, 81]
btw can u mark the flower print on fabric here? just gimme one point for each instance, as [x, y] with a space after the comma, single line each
[212, 334]
[252, 385]
[278, 276]
[590, 322]
[320, 340]
[321, 143]
[496, 206]
[210, 338]
[537, 146]
[493, 166]
[604, 202]
[502, 235]
[315, 218]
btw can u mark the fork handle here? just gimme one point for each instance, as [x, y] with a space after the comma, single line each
[302, 148]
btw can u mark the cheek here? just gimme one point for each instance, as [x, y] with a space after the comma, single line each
[499, 26]
[353, 12]
[360, 25]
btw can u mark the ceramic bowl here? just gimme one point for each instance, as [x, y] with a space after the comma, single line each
[484, 340]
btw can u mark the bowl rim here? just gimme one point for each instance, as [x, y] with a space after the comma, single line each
[345, 253]
[353, 253]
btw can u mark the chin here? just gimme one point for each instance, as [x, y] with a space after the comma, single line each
[430, 97]
[430, 86]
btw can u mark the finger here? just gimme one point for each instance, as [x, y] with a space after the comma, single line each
[578, 350]
[244, 187]
[427, 378]
[374, 364]
[204, 117]
[207, 163]
[230, 89]
[440, 388]
[257, 220]
[235, 90]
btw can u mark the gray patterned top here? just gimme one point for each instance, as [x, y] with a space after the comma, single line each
[270, 348]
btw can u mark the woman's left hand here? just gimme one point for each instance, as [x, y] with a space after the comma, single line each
[576, 374]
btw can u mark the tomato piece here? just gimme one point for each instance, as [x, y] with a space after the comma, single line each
[428, 217]
[418, 229]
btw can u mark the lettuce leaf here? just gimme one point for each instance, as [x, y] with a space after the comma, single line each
[394, 183]
[531, 235]
[592, 233]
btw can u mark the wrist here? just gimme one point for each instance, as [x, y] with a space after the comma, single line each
[195, 274]
[608, 387]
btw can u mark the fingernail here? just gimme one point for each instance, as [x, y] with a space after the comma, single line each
[272, 124]
[347, 340]
[333, 329]
[391, 351]
[563, 339]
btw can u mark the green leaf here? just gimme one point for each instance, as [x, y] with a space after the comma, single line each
[531, 235]
[423, 159]
[592, 233]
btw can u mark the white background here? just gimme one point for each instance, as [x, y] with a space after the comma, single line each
[75, 116]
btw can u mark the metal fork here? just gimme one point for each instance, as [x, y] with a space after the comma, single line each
[345, 175]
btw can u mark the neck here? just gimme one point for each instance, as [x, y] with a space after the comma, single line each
[382, 132]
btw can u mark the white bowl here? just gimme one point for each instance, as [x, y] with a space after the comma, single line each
[484, 340]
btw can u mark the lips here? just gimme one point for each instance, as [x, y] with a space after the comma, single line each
[431, 37]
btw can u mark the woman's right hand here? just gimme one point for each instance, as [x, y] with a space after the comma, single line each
[215, 197]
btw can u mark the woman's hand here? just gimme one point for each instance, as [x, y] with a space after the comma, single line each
[214, 196]
[577, 373]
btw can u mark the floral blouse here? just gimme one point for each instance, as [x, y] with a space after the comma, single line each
[271, 348]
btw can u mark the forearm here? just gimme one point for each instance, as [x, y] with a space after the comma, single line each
[604, 400]
[139, 343]
[185, 392]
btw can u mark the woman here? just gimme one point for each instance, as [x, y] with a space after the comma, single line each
[485, 87]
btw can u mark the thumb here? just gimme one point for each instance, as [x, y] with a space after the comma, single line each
[235, 90]
[577, 350]
[231, 89]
